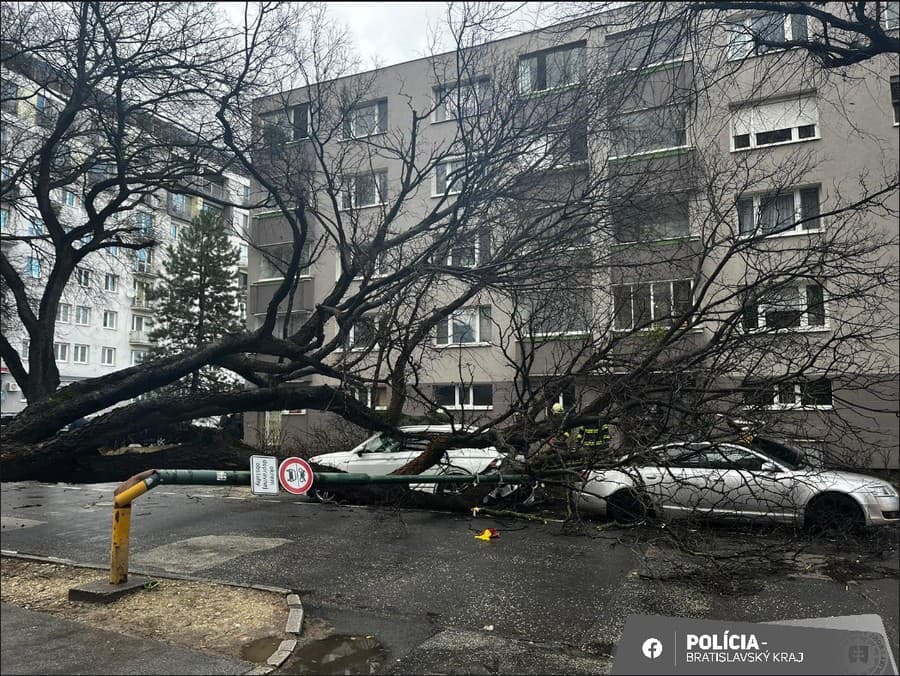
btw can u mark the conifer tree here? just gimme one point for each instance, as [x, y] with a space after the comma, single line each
[197, 300]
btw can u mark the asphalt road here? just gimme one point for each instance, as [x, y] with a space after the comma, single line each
[419, 581]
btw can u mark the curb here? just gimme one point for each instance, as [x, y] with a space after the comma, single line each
[293, 625]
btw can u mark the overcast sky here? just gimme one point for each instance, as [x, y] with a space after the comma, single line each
[393, 32]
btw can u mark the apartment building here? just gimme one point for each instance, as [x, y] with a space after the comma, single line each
[105, 317]
[707, 143]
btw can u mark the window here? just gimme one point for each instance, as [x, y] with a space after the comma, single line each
[782, 213]
[143, 261]
[80, 354]
[636, 306]
[4, 220]
[650, 130]
[83, 278]
[111, 282]
[803, 394]
[647, 46]
[552, 69]
[67, 198]
[82, 315]
[362, 334]
[63, 312]
[365, 190]
[776, 27]
[790, 307]
[375, 397]
[110, 319]
[895, 97]
[466, 326]
[650, 220]
[9, 94]
[470, 249]
[26, 348]
[299, 125]
[141, 294]
[33, 267]
[173, 231]
[566, 310]
[178, 204]
[36, 228]
[456, 397]
[274, 260]
[61, 351]
[365, 120]
[890, 14]
[138, 357]
[454, 102]
[449, 177]
[766, 124]
[278, 126]
[113, 251]
[140, 323]
[144, 223]
[108, 356]
[556, 149]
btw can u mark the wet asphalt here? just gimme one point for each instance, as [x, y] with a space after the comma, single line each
[541, 598]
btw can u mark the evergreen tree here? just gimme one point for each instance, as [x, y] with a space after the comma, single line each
[197, 300]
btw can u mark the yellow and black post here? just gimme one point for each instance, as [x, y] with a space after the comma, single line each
[121, 526]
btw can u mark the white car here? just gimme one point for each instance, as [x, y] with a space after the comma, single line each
[726, 480]
[383, 453]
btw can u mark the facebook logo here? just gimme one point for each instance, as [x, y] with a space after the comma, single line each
[652, 648]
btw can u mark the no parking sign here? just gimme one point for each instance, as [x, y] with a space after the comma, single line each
[295, 476]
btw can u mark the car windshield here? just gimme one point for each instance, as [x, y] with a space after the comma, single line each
[381, 443]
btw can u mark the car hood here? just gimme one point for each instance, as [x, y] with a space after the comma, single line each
[838, 480]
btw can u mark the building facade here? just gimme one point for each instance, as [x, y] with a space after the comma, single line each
[105, 316]
[718, 162]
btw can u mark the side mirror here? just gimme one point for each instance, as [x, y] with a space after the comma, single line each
[770, 467]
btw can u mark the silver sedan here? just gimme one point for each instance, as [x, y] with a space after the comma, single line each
[728, 481]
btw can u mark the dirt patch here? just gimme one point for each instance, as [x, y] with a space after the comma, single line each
[199, 615]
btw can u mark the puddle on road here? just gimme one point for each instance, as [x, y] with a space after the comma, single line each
[338, 654]
[261, 649]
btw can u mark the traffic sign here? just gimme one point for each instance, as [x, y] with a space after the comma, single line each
[295, 475]
[264, 475]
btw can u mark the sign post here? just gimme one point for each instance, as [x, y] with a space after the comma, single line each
[264, 475]
[295, 475]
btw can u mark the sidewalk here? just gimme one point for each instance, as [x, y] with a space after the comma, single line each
[40, 643]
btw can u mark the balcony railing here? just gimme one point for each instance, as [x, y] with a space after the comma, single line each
[140, 337]
[140, 303]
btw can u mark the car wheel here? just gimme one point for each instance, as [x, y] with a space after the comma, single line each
[834, 513]
[625, 507]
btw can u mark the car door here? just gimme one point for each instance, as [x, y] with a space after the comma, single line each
[389, 454]
[670, 480]
[756, 492]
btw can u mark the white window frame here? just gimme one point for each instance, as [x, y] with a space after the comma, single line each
[755, 127]
[802, 295]
[471, 94]
[740, 35]
[348, 191]
[111, 282]
[83, 312]
[107, 356]
[83, 277]
[797, 403]
[143, 354]
[67, 198]
[351, 119]
[6, 220]
[580, 289]
[85, 349]
[64, 313]
[452, 165]
[114, 316]
[768, 199]
[34, 267]
[351, 335]
[475, 311]
[464, 396]
[688, 133]
[366, 396]
[61, 352]
[476, 247]
[654, 322]
[26, 349]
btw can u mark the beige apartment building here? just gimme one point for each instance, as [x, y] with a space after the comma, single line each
[726, 190]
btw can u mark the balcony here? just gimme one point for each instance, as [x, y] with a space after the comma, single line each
[144, 269]
[140, 303]
[140, 338]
